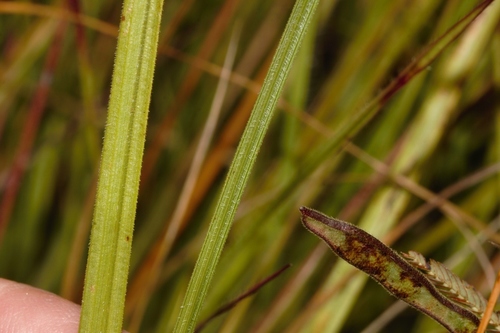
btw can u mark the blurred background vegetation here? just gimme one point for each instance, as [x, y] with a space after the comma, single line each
[421, 175]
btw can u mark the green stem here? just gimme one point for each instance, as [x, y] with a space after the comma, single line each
[114, 214]
[241, 166]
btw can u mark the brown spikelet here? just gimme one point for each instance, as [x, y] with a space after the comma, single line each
[453, 287]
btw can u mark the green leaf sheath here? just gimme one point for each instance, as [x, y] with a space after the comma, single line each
[243, 161]
[388, 268]
[114, 213]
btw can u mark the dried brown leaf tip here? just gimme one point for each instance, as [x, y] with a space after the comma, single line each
[453, 287]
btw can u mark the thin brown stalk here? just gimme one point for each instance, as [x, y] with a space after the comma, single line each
[146, 280]
[290, 291]
[449, 208]
[214, 35]
[176, 20]
[490, 306]
[441, 197]
[226, 307]
[30, 130]
[61, 13]
[217, 157]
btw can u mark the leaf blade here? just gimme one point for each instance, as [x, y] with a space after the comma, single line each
[389, 269]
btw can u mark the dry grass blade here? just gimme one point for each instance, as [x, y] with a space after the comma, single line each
[488, 313]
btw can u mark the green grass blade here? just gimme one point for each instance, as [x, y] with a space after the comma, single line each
[243, 161]
[114, 214]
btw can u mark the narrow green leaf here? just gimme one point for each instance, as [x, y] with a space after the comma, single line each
[114, 214]
[388, 268]
[240, 168]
